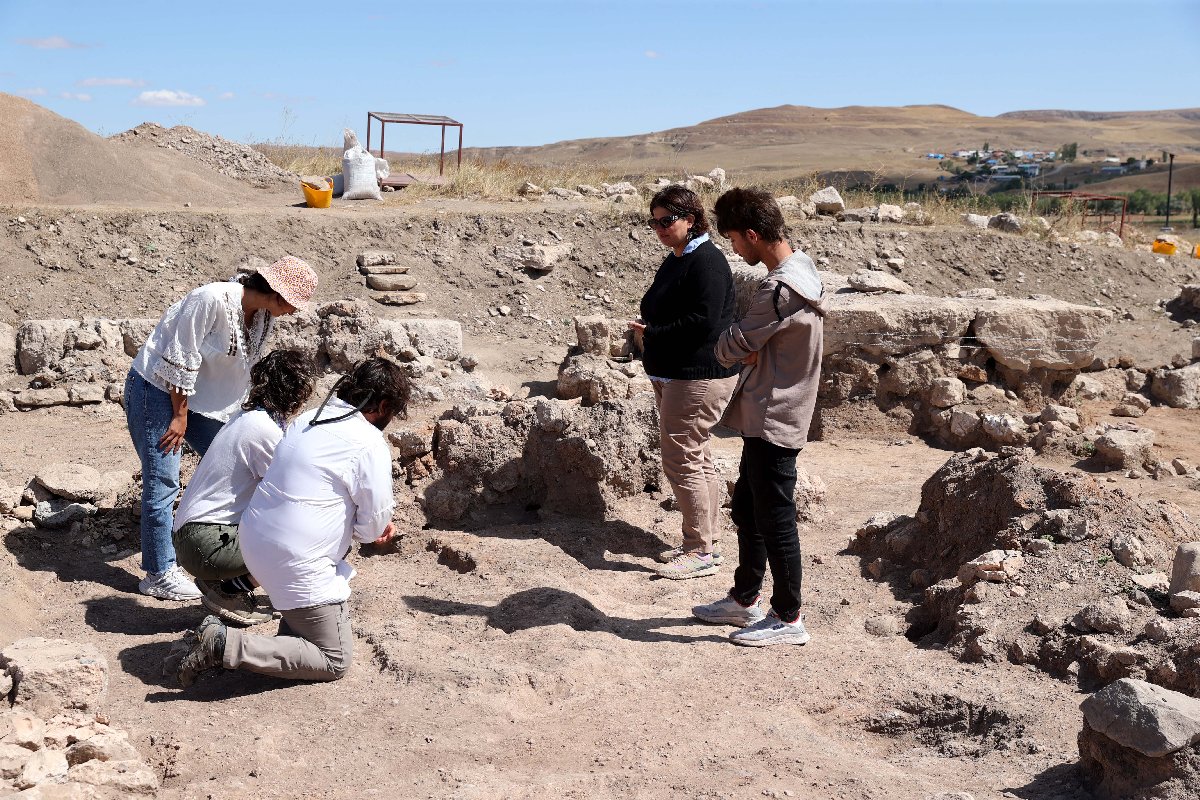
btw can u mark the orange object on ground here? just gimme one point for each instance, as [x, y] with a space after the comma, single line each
[1163, 248]
[316, 197]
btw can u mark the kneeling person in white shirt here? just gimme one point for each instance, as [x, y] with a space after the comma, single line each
[329, 484]
[206, 525]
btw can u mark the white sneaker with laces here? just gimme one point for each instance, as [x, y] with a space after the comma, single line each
[772, 630]
[728, 611]
[174, 584]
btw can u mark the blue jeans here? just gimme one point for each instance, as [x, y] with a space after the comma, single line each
[764, 511]
[148, 411]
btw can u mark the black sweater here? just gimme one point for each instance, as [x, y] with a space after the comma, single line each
[687, 307]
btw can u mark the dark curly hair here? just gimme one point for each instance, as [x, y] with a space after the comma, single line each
[750, 210]
[374, 382]
[682, 201]
[280, 383]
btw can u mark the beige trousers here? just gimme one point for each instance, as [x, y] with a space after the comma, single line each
[687, 412]
[314, 644]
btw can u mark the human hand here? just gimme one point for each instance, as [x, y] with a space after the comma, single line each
[386, 536]
[637, 326]
[750, 360]
[172, 440]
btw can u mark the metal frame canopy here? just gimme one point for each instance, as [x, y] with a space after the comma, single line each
[385, 117]
[1086, 198]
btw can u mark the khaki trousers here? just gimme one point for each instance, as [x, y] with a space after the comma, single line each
[687, 412]
[314, 644]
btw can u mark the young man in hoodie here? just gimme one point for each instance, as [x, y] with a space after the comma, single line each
[778, 343]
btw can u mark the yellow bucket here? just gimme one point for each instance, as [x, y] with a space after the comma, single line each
[1196, 252]
[1163, 248]
[317, 198]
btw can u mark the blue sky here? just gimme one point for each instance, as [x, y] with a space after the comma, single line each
[526, 72]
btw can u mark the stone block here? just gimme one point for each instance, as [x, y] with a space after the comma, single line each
[391, 283]
[436, 338]
[1144, 717]
[54, 674]
[827, 201]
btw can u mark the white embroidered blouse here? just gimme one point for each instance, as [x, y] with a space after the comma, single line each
[202, 349]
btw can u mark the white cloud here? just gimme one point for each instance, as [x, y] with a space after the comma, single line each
[653, 54]
[52, 43]
[37, 91]
[167, 97]
[135, 82]
[225, 96]
[82, 97]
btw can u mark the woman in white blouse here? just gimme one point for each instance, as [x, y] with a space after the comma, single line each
[188, 378]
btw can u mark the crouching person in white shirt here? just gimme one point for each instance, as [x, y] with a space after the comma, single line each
[329, 484]
[206, 525]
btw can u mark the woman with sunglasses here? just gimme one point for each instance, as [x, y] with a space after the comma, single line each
[688, 305]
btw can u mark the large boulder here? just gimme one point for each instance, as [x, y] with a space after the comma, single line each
[827, 201]
[1139, 742]
[1185, 573]
[8, 350]
[41, 343]
[437, 338]
[557, 455]
[50, 675]
[1047, 334]
[80, 482]
[1125, 448]
[1178, 388]
[892, 324]
[869, 280]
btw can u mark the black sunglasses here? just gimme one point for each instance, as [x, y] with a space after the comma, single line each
[664, 222]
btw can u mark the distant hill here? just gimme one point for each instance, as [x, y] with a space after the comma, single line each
[792, 141]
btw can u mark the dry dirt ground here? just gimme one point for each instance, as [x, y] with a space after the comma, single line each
[537, 656]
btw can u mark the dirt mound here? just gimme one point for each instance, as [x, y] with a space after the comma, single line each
[50, 159]
[1039, 567]
[228, 158]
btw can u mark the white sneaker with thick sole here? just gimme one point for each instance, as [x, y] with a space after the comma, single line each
[771, 630]
[174, 584]
[728, 611]
[667, 556]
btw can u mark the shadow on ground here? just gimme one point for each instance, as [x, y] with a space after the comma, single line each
[545, 606]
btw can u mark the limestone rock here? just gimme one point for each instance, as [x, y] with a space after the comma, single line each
[41, 398]
[1105, 616]
[44, 766]
[41, 343]
[976, 220]
[108, 746]
[391, 283]
[528, 189]
[1006, 221]
[130, 777]
[1178, 388]
[8, 350]
[997, 566]
[947, 392]
[827, 201]
[1004, 428]
[1125, 449]
[858, 215]
[1185, 570]
[542, 258]
[55, 674]
[1141, 716]
[890, 213]
[12, 759]
[1049, 334]
[375, 258]
[866, 280]
[74, 482]
[594, 334]
[401, 298]
[436, 338]
[1063, 414]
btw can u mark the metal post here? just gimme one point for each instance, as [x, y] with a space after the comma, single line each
[442, 157]
[382, 131]
[460, 127]
[1170, 174]
[368, 132]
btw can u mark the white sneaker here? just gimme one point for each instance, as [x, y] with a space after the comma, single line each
[667, 556]
[772, 630]
[728, 611]
[174, 584]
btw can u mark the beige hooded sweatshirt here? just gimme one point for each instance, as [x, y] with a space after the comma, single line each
[775, 397]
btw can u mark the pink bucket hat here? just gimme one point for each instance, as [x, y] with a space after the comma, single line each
[294, 279]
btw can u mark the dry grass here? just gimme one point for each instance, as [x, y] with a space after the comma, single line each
[501, 180]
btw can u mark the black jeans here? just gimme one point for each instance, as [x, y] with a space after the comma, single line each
[764, 511]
